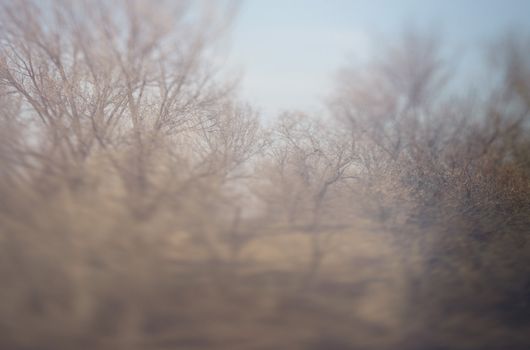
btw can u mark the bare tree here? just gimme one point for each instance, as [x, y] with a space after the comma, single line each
[114, 88]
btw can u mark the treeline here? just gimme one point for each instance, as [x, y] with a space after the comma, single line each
[144, 206]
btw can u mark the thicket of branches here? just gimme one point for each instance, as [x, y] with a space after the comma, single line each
[142, 206]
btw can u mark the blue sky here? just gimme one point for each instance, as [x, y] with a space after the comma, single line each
[289, 50]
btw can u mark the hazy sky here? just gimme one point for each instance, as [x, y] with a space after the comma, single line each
[290, 49]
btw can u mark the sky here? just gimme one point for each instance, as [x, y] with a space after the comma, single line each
[289, 51]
